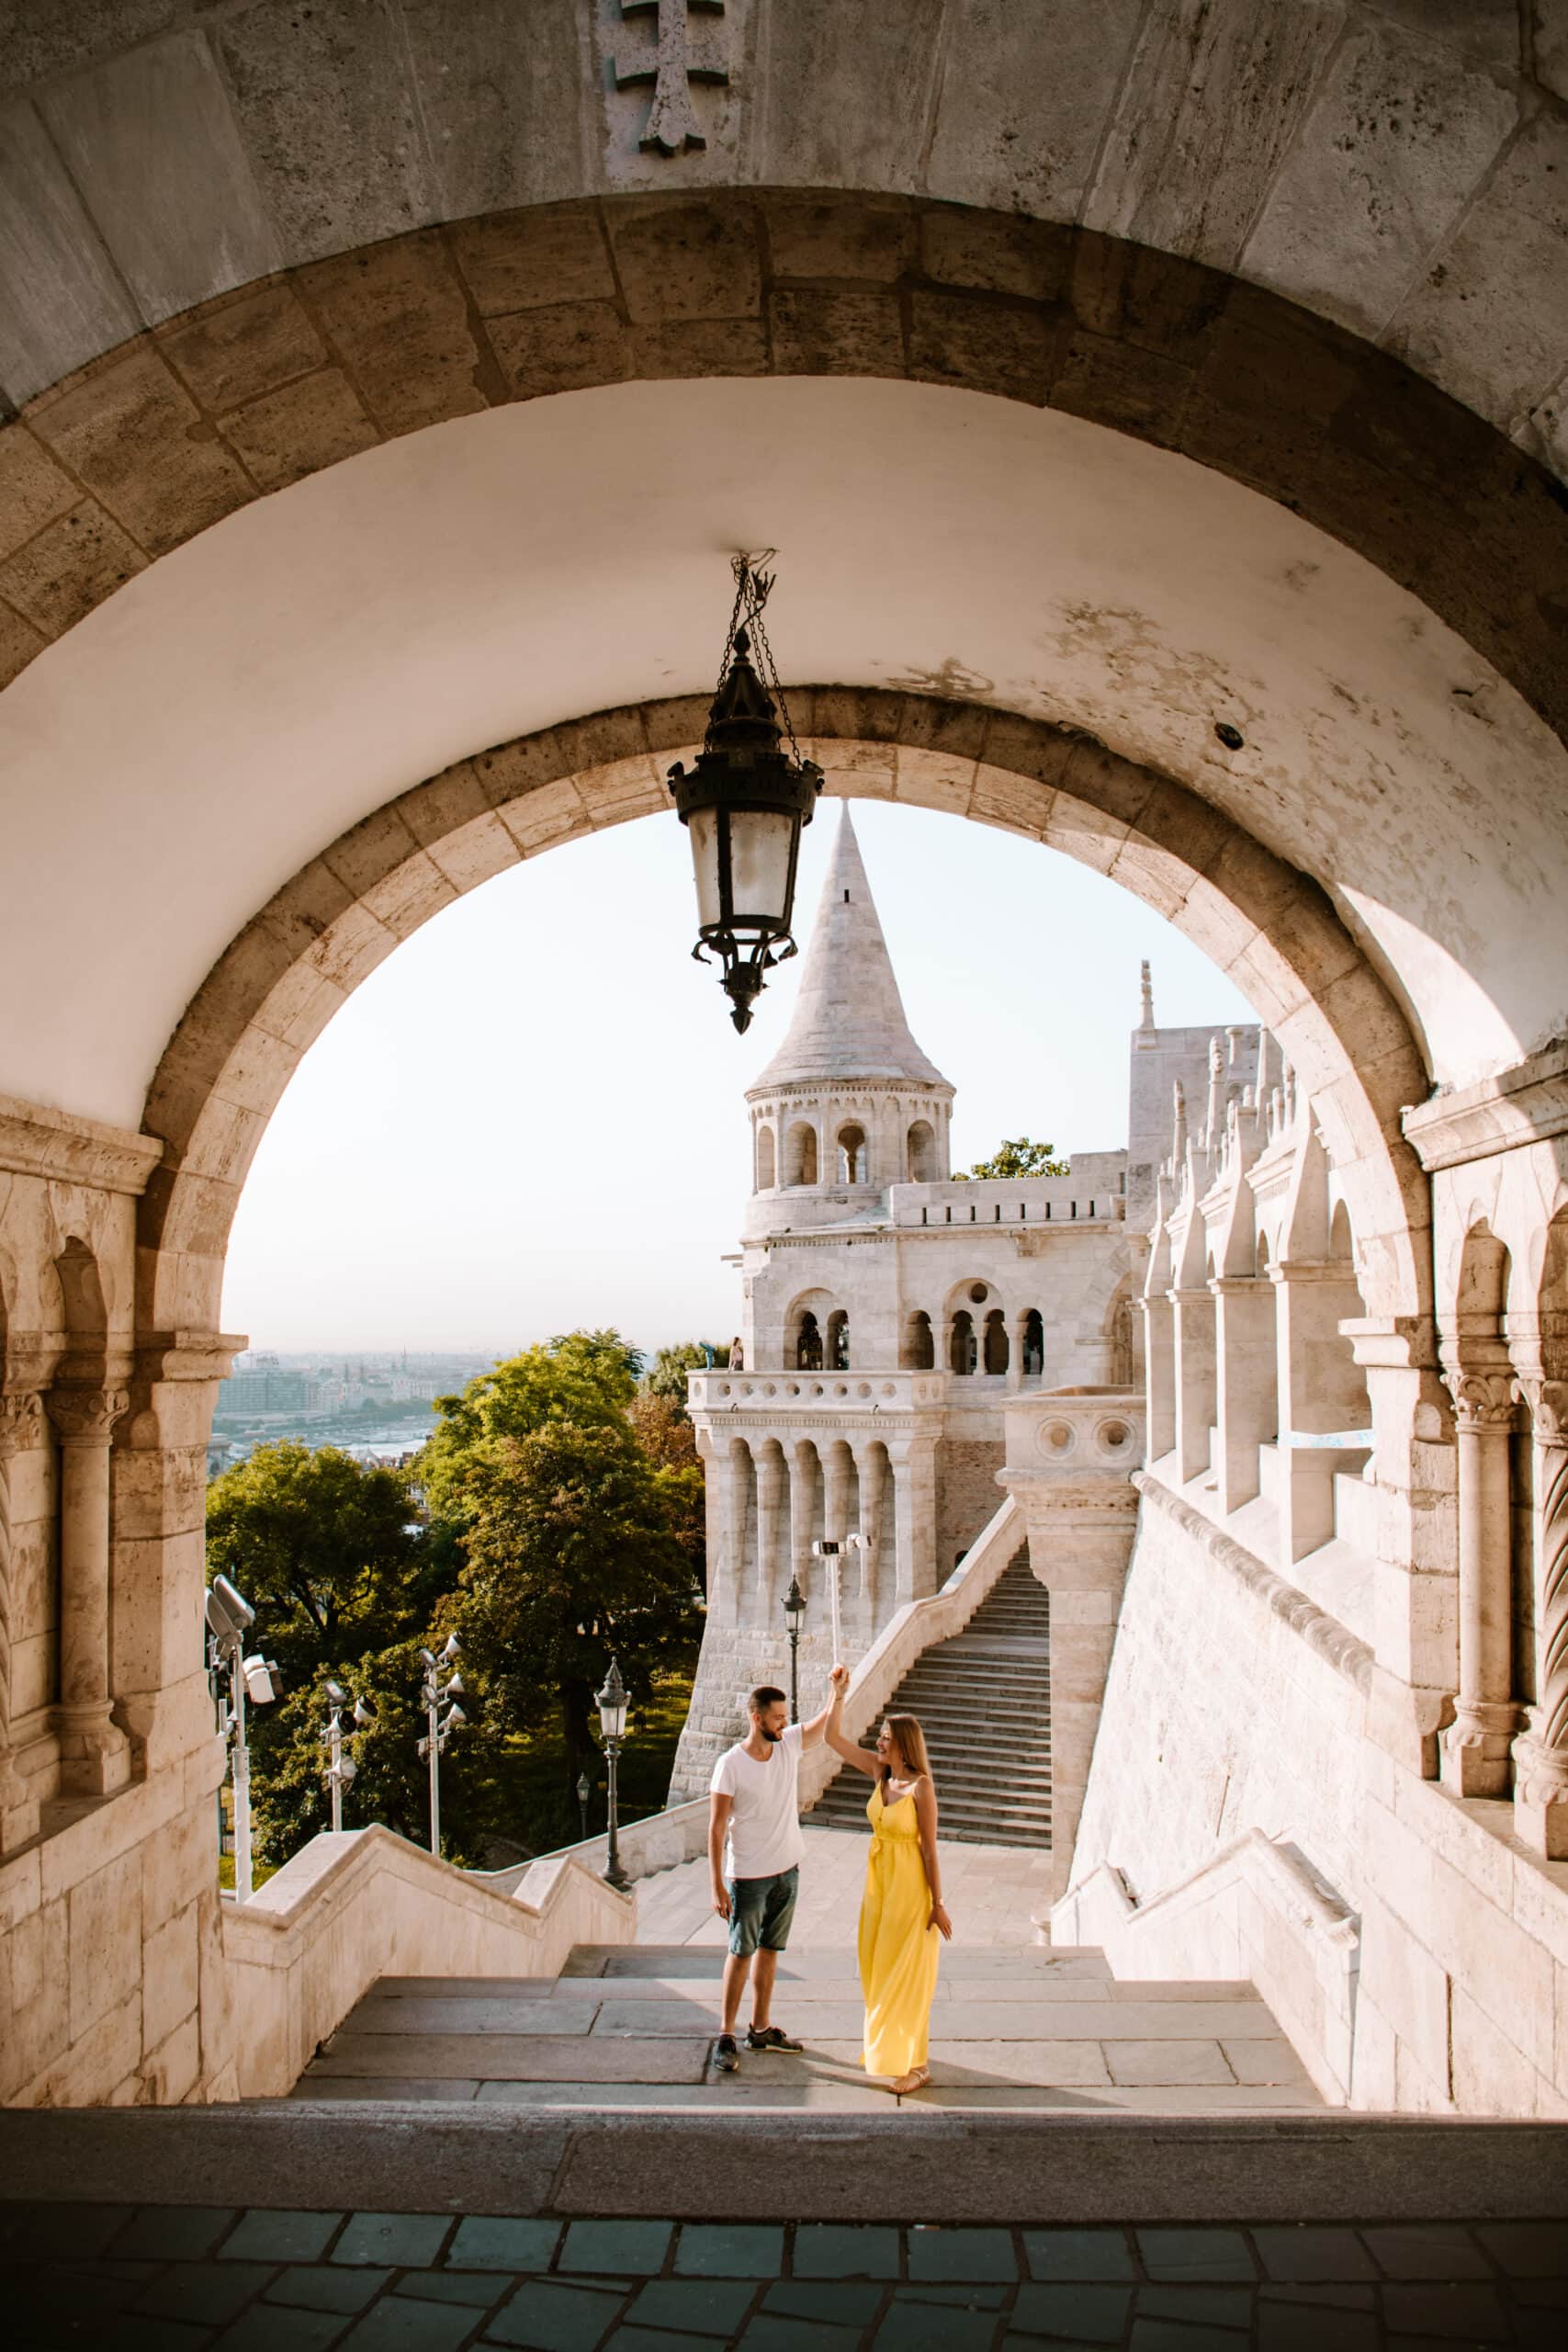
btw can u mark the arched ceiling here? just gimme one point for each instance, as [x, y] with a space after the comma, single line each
[1398, 167]
[177, 756]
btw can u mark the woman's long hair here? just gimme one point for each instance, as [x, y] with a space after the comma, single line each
[911, 1739]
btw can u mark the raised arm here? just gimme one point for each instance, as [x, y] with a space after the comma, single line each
[838, 1739]
[925, 1817]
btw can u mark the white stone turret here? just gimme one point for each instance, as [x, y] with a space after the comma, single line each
[849, 1105]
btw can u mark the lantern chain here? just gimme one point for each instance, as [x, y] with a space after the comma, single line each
[753, 588]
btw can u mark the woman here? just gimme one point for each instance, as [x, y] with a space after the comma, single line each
[902, 1911]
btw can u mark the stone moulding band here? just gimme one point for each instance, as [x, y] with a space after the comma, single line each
[1333, 1641]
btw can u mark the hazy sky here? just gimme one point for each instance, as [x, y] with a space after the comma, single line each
[531, 1116]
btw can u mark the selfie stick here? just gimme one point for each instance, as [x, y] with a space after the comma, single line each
[830, 1550]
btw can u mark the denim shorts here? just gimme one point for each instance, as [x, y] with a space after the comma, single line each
[761, 1910]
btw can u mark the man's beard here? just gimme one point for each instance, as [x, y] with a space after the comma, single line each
[772, 1737]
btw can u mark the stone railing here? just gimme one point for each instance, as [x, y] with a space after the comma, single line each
[1254, 1912]
[360, 1904]
[913, 1630]
[656, 1843]
[719, 1394]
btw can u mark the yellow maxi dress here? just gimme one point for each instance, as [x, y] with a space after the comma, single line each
[898, 1952]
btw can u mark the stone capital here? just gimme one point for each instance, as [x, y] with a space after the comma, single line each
[85, 1416]
[1540, 1771]
[1482, 1400]
[1548, 1401]
[21, 1421]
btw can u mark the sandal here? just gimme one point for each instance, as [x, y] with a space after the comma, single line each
[916, 2079]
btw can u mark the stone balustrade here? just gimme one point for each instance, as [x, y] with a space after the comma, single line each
[768, 1394]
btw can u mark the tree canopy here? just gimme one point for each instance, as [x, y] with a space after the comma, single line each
[1017, 1157]
[328, 1552]
[586, 1378]
[666, 1376]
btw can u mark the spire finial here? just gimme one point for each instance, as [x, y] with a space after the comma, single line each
[1147, 988]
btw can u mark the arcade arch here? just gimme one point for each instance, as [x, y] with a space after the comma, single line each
[1234, 415]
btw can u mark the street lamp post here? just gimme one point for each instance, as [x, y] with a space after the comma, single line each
[612, 1706]
[340, 1768]
[584, 1792]
[229, 1619]
[795, 1617]
[439, 1728]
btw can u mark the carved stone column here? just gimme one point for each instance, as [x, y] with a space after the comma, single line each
[771, 1490]
[914, 1516]
[95, 1755]
[1245, 1384]
[20, 1422]
[1540, 1753]
[1474, 1759]
[802, 1460]
[837, 1463]
[1193, 1323]
[870, 1468]
[1160, 1373]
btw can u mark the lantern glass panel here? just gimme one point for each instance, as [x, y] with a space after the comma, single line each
[760, 844]
[703, 828]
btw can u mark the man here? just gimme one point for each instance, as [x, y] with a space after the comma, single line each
[754, 1849]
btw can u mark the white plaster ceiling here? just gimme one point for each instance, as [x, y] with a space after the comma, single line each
[175, 758]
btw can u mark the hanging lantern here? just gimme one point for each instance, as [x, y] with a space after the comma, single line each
[743, 803]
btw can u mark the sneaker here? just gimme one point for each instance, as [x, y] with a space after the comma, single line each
[771, 2037]
[726, 2056]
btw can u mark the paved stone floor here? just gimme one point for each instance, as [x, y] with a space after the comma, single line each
[199, 2279]
[994, 1894]
[1014, 2025]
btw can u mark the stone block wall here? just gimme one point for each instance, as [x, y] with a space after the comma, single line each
[1234, 1704]
[968, 1495]
[111, 1973]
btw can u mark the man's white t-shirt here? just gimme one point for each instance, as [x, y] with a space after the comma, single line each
[764, 1819]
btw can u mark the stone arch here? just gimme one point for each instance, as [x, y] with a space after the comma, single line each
[917, 1351]
[836, 1341]
[994, 1350]
[806, 1331]
[800, 1153]
[275, 988]
[767, 1174]
[1239, 377]
[920, 1153]
[854, 1154]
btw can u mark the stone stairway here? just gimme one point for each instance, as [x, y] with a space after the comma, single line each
[983, 1702]
[632, 2027]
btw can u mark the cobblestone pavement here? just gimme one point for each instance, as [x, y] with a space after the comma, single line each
[161, 2278]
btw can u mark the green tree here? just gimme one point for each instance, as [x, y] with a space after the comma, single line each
[572, 1556]
[586, 1378]
[1018, 1156]
[667, 1374]
[662, 1427]
[328, 1552]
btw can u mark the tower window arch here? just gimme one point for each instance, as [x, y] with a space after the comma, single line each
[1033, 1344]
[919, 1351]
[921, 1149]
[766, 1173]
[800, 1155]
[838, 1358]
[965, 1351]
[995, 1350]
[853, 1156]
[808, 1344]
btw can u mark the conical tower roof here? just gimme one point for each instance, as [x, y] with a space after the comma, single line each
[848, 1018]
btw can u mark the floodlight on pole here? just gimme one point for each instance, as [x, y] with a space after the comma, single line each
[229, 1619]
[433, 1691]
[342, 1769]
